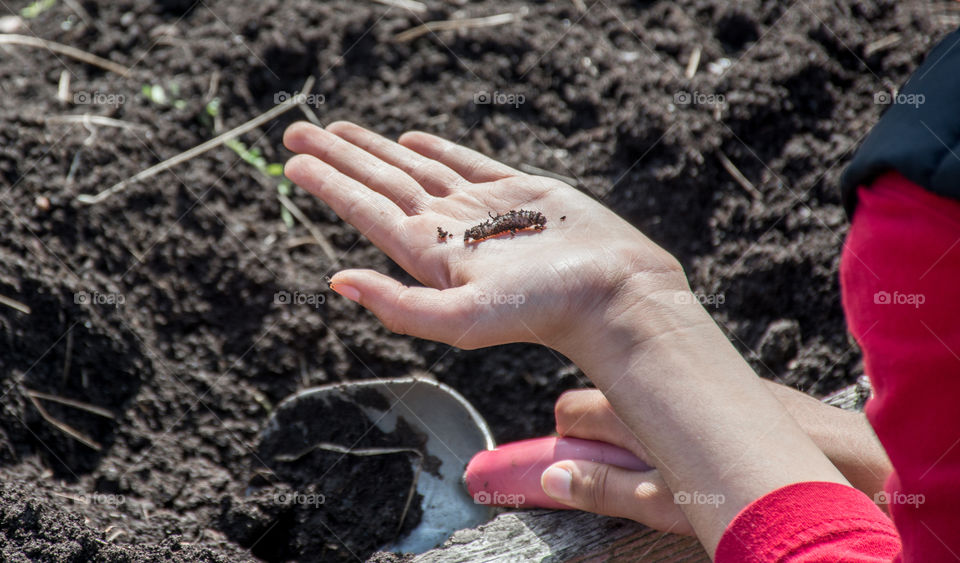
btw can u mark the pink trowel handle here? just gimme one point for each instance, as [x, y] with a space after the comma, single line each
[510, 474]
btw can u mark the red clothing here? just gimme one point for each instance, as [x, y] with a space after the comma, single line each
[899, 277]
[810, 522]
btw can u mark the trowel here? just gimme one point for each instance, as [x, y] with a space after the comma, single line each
[469, 477]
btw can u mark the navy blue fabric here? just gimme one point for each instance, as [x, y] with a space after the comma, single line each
[919, 134]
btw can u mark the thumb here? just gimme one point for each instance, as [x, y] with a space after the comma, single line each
[446, 315]
[605, 489]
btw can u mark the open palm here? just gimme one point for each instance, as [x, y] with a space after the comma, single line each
[535, 286]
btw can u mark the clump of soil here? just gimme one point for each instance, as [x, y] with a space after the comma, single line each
[159, 304]
[33, 528]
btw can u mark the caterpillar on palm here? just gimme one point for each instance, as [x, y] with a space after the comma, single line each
[510, 222]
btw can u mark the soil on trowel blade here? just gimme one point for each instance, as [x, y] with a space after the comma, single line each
[327, 486]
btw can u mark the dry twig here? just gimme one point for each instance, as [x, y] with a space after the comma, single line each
[317, 233]
[693, 63]
[101, 120]
[310, 115]
[739, 177]
[63, 427]
[65, 50]
[14, 304]
[882, 44]
[63, 87]
[284, 107]
[411, 5]
[301, 241]
[68, 357]
[445, 25]
[99, 411]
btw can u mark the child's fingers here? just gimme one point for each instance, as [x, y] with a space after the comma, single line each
[447, 315]
[607, 489]
[470, 164]
[375, 216]
[353, 161]
[436, 178]
[586, 414]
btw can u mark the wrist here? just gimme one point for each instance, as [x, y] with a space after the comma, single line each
[845, 437]
[642, 310]
[709, 423]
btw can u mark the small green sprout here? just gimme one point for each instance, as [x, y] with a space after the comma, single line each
[156, 94]
[36, 8]
[253, 157]
[213, 107]
[285, 187]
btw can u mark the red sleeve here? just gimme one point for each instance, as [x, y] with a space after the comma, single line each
[899, 276]
[810, 522]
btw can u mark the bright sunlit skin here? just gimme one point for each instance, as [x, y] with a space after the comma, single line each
[845, 437]
[594, 288]
[398, 194]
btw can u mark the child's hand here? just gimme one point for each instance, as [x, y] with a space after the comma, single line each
[556, 286]
[845, 437]
[642, 496]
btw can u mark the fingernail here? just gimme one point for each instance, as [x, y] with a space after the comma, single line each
[348, 291]
[556, 482]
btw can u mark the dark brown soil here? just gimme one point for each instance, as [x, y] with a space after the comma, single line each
[193, 360]
[313, 503]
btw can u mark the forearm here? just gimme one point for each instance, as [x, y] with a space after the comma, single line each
[711, 426]
[846, 438]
